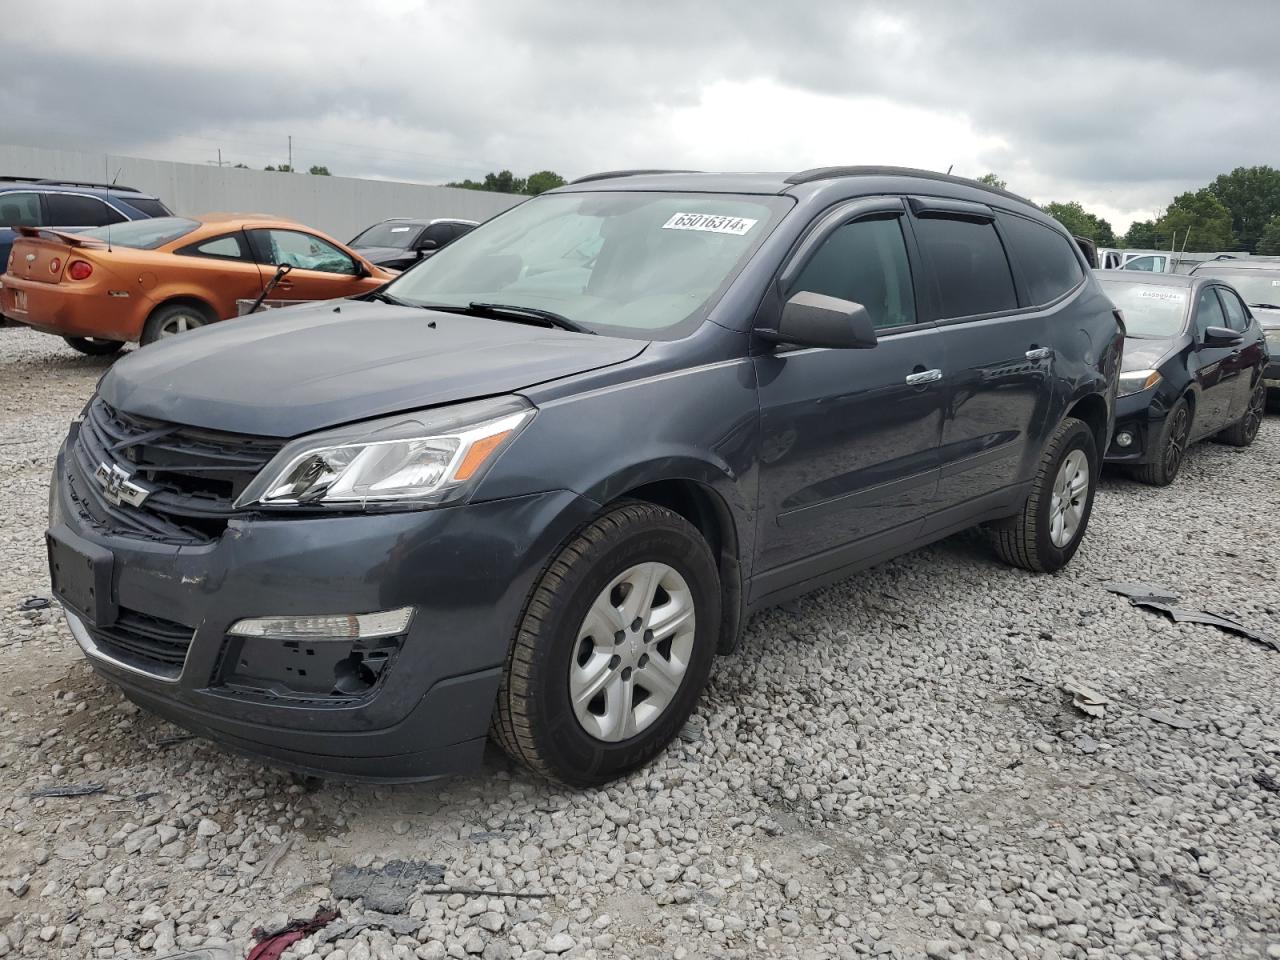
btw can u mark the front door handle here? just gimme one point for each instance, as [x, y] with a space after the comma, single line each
[1039, 353]
[924, 376]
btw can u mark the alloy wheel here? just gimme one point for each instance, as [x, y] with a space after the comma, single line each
[1070, 496]
[1257, 409]
[180, 323]
[632, 651]
[1176, 448]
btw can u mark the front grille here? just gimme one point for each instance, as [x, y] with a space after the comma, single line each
[196, 474]
[145, 642]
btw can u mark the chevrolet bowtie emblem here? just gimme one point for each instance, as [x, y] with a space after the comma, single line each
[118, 486]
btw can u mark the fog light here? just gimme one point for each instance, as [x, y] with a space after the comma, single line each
[336, 626]
[1124, 438]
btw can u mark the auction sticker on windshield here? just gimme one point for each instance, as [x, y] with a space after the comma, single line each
[710, 223]
[1172, 296]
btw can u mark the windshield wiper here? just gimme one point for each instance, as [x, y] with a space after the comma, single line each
[1266, 306]
[388, 298]
[500, 311]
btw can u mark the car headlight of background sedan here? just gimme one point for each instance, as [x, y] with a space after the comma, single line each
[1135, 381]
[429, 457]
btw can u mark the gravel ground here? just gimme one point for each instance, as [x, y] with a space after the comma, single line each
[888, 769]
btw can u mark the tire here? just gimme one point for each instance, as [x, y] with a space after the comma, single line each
[1245, 430]
[94, 346]
[557, 651]
[1170, 448]
[1034, 539]
[172, 319]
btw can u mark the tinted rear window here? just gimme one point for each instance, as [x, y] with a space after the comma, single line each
[1046, 259]
[144, 234]
[969, 264]
[70, 210]
[151, 208]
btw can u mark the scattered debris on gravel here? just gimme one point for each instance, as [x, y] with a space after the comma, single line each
[888, 768]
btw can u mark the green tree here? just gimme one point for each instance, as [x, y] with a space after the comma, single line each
[993, 180]
[1081, 223]
[241, 166]
[1252, 194]
[282, 168]
[1197, 221]
[319, 171]
[1141, 235]
[1269, 242]
[542, 181]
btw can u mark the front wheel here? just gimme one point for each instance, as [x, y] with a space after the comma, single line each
[94, 346]
[1170, 448]
[1045, 535]
[1245, 430]
[614, 648]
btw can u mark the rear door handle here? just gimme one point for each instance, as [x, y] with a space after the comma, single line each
[924, 376]
[1039, 353]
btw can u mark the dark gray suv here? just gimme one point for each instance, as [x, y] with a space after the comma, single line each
[533, 486]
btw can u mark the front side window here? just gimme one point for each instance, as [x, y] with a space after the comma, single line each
[20, 210]
[437, 233]
[1147, 264]
[969, 264]
[865, 262]
[626, 263]
[69, 210]
[1046, 259]
[1208, 311]
[1237, 318]
[303, 251]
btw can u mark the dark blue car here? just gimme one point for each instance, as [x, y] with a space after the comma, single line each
[67, 205]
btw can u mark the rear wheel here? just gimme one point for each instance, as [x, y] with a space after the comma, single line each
[1243, 431]
[173, 319]
[613, 649]
[94, 346]
[1170, 449]
[1046, 534]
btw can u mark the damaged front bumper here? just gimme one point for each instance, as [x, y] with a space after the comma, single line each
[405, 707]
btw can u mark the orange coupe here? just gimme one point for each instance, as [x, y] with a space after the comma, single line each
[148, 279]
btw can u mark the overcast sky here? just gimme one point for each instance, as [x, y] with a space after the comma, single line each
[1117, 105]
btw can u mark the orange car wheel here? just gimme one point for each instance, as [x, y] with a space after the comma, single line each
[172, 319]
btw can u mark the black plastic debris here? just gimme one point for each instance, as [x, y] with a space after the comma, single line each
[1143, 591]
[69, 790]
[35, 603]
[385, 889]
[1169, 719]
[1187, 615]
[1267, 782]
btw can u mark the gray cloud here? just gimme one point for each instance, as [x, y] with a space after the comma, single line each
[1119, 105]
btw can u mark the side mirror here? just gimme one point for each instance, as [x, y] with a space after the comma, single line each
[814, 320]
[1221, 337]
[422, 245]
[361, 270]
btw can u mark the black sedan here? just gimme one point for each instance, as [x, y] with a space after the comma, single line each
[399, 243]
[1193, 368]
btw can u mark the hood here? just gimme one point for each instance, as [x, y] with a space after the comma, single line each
[288, 372]
[383, 254]
[1147, 353]
[1269, 319]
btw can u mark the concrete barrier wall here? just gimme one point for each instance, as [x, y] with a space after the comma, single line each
[340, 206]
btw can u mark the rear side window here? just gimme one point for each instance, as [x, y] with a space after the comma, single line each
[229, 247]
[1237, 319]
[148, 207]
[20, 210]
[866, 262]
[1046, 259]
[69, 210]
[969, 266]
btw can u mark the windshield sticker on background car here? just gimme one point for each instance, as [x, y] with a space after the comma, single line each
[710, 223]
[1172, 296]
[399, 229]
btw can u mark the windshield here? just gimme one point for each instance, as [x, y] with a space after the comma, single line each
[143, 234]
[388, 234]
[1258, 287]
[629, 264]
[1150, 310]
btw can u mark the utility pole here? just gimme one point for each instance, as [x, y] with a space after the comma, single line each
[291, 153]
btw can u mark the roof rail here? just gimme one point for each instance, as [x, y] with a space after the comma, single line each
[85, 183]
[832, 173]
[610, 174]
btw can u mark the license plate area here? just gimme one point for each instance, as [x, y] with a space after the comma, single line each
[81, 576]
[20, 301]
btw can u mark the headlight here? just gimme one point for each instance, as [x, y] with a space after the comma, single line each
[1135, 381]
[429, 457]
